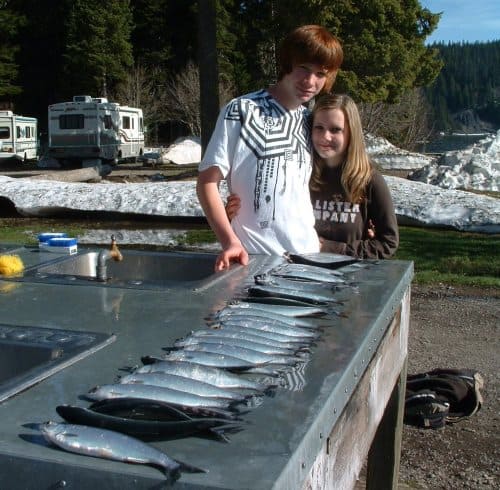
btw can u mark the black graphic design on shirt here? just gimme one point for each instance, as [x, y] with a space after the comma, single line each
[274, 135]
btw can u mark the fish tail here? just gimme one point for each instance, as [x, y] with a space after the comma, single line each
[129, 369]
[236, 404]
[150, 360]
[171, 348]
[271, 390]
[187, 468]
[172, 474]
[340, 314]
[217, 435]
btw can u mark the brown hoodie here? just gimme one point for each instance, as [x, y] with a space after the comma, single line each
[344, 225]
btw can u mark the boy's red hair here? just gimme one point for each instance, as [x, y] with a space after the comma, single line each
[311, 44]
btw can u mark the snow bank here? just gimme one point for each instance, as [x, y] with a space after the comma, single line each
[389, 157]
[416, 202]
[434, 202]
[476, 167]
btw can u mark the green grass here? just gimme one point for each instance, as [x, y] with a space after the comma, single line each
[451, 257]
[194, 237]
[439, 256]
[15, 232]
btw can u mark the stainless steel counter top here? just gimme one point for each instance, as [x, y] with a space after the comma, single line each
[284, 433]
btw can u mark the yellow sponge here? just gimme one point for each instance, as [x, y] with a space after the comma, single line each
[11, 265]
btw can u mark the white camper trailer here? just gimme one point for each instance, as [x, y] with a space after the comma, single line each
[93, 128]
[18, 137]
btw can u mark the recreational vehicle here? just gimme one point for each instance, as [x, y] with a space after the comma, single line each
[93, 128]
[18, 137]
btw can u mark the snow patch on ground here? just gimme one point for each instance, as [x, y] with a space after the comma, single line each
[434, 202]
[418, 202]
[477, 167]
[182, 151]
[389, 157]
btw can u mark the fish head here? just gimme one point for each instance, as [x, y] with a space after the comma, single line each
[52, 431]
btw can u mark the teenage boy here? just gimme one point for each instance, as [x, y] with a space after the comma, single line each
[261, 145]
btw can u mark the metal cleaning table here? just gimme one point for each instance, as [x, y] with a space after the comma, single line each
[346, 407]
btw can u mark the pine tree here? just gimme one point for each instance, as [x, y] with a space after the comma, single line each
[383, 42]
[469, 80]
[164, 33]
[10, 23]
[385, 54]
[98, 50]
[41, 43]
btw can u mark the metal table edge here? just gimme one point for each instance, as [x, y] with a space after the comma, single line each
[302, 459]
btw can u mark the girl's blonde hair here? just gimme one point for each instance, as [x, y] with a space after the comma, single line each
[356, 169]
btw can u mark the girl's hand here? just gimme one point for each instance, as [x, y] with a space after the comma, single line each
[371, 229]
[232, 206]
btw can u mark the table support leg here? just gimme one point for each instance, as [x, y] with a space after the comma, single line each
[385, 451]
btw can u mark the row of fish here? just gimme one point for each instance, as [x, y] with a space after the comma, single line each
[204, 383]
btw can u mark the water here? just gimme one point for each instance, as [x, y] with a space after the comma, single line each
[451, 142]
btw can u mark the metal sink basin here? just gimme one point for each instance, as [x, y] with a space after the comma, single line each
[138, 269]
[8, 249]
[30, 354]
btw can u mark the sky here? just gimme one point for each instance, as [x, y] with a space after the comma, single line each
[465, 20]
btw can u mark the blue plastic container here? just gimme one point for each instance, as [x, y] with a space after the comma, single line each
[62, 245]
[43, 238]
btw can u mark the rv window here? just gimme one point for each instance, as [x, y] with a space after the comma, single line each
[126, 122]
[28, 132]
[108, 124]
[71, 121]
[141, 125]
[4, 133]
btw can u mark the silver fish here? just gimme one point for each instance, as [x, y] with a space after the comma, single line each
[212, 359]
[237, 327]
[238, 342]
[107, 444]
[288, 330]
[325, 260]
[307, 275]
[241, 334]
[262, 316]
[309, 268]
[269, 299]
[157, 393]
[348, 269]
[212, 375]
[181, 383]
[284, 310]
[258, 358]
[313, 298]
[288, 283]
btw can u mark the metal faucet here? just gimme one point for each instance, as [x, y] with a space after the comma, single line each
[104, 256]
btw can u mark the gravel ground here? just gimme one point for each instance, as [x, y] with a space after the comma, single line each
[455, 328]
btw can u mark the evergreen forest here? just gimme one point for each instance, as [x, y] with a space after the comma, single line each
[145, 53]
[467, 87]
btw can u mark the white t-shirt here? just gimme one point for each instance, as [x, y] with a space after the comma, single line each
[264, 152]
